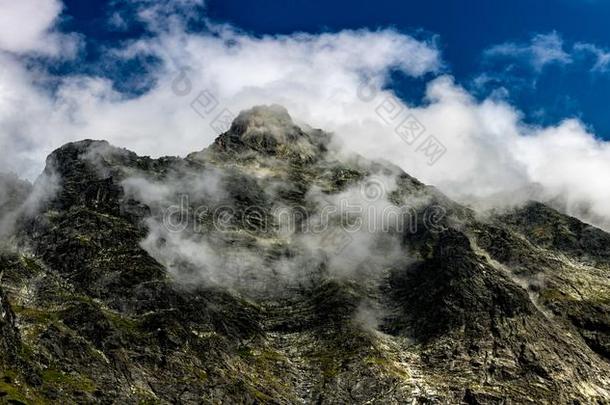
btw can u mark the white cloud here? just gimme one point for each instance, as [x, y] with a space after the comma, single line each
[547, 49]
[602, 56]
[297, 70]
[28, 26]
[489, 149]
[156, 15]
[492, 153]
[542, 50]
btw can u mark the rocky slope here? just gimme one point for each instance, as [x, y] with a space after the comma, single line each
[243, 274]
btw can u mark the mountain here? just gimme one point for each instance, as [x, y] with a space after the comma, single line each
[273, 267]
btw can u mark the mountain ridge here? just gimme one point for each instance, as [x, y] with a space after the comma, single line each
[104, 301]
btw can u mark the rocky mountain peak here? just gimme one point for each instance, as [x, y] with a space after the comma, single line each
[272, 118]
[270, 130]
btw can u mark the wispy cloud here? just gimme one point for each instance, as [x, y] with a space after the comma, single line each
[601, 56]
[155, 15]
[540, 51]
[550, 49]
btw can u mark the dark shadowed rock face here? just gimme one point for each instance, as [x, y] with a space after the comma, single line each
[103, 299]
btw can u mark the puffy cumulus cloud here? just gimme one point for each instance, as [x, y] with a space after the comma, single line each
[28, 26]
[336, 81]
[492, 154]
[572, 165]
[24, 113]
[236, 69]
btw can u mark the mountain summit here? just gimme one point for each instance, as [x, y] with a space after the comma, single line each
[270, 129]
[273, 268]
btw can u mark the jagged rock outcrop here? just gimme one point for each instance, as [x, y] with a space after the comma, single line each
[230, 276]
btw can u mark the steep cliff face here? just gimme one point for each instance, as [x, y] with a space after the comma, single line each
[272, 268]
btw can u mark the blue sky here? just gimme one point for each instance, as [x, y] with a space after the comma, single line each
[463, 31]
